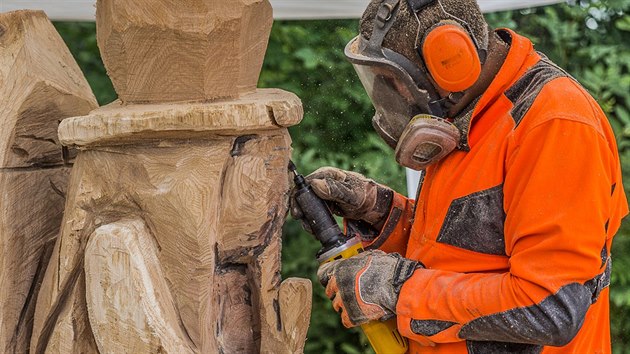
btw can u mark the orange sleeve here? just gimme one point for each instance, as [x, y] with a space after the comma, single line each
[557, 198]
[393, 237]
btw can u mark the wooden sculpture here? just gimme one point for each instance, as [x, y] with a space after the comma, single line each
[208, 48]
[172, 231]
[40, 84]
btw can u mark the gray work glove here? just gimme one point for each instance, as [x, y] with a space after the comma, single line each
[366, 287]
[349, 195]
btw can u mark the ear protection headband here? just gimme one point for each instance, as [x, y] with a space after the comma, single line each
[450, 51]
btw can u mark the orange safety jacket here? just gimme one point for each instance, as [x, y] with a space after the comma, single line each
[515, 228]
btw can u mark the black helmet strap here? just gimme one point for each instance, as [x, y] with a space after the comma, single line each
[418, 5]
[383, 22]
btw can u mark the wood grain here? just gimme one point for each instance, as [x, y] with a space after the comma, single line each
[123, 282]
[213, 206]
[264, 109]
[295, 319]
[182, 50]
[40, 84]
[171, 236]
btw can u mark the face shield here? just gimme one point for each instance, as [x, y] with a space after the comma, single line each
[409, 111]
[398, 89]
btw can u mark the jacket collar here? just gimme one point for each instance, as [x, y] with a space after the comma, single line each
[521, 56]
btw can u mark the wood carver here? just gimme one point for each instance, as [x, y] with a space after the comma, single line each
[40, 84]
[171, 234]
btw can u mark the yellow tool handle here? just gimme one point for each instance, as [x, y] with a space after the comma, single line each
[383, 336]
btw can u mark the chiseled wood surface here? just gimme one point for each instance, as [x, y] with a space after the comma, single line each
[176, 240]
[171, 236]
[40, 84]
[263, 109]
[189, 49]
[122, 274]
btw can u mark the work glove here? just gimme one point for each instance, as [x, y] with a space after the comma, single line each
[365, 288]
[349, 195]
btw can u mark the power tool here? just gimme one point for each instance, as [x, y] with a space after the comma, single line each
[383, 336]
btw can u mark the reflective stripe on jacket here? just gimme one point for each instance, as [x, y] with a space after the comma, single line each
[516, 232]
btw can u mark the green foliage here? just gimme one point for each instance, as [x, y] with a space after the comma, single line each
[591, 39]
[81, 39]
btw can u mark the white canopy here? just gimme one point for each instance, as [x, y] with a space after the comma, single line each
[83, 10]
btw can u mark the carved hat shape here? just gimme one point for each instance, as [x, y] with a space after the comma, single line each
[183, 50]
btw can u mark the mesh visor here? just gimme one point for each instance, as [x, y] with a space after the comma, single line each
[394, 94]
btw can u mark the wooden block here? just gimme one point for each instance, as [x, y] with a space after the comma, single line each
[30, 216]
[294, 303]
[214, 207]
[172, 229]
[72, 333]
[183, 50]
[40, 84]
[284, 307]
[130, 305]
[264, 109]
[234, 297]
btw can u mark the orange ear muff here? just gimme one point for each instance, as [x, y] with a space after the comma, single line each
[451, 57]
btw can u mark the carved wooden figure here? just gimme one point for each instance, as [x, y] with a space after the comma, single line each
[40, 84]
[172, 231]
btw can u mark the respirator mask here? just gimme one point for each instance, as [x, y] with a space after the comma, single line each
[409, 111]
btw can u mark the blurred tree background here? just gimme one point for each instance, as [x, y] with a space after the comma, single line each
[591, 39]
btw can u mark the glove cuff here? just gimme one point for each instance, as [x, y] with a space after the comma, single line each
[361, 229]
[382, 206]
[403, 271]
